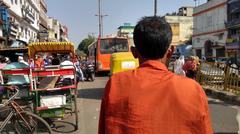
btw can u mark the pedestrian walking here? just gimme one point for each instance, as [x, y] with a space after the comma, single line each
[151, 99]
[191, 67]
[178, 66]
[79, 69]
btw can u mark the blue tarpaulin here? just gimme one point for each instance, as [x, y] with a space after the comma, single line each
[16, 79]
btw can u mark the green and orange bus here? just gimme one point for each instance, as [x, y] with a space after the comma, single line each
[100, 51]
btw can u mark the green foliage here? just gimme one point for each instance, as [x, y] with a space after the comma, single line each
[83, 46]
[80, 53]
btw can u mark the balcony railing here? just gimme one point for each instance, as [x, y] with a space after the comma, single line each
[29, 17]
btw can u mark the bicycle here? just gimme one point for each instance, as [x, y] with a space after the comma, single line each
[24, 122]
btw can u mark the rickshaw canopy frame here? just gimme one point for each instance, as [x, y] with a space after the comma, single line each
[55, 47]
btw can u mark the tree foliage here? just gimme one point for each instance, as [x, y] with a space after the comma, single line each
[83, 46]
[80, 53]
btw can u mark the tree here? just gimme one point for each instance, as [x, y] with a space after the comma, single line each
[80, 53]
[83, 46]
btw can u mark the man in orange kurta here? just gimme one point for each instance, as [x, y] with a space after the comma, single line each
[151, 99]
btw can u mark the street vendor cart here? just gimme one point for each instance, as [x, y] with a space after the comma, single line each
[54, 96]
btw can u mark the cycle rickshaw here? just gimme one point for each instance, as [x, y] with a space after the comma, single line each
[53, 98]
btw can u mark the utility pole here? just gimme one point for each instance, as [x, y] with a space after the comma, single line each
[102, 23]
[100, 18]
[155, 7]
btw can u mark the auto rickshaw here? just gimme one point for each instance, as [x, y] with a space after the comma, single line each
[54, 86]
[122, 61]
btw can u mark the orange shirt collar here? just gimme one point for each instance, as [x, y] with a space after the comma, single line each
[154, 64]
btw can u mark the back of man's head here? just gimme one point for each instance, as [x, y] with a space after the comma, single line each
[152, 37]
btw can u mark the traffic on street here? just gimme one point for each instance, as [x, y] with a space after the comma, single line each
[122, 67]
[224, 117]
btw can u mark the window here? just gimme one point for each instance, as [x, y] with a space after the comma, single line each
[16, 2]
[109, 46]
[26, 33]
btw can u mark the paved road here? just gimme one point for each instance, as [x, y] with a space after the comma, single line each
[223, 115]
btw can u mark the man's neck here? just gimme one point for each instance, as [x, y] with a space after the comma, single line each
[162, 60]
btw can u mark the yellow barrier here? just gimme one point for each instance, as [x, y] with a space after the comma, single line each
[219, 76]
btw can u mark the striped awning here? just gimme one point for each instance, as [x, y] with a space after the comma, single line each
[55, 47]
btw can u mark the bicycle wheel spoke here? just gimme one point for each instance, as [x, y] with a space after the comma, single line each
[31, 123]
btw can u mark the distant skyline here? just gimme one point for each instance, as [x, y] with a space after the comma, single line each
[79, 16]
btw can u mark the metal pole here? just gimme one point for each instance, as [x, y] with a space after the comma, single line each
[102, 25]
[100, 18]
[155, 7]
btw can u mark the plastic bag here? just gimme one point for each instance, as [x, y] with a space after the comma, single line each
[178, 66]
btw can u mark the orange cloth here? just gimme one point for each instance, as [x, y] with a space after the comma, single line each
[153, 100]
[39, 63]
[190, 65]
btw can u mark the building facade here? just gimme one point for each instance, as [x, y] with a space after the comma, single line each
[126, 30]
[56, 31]
[63, 33]
[182, 25]
[210, 33]
[24, 21]
[233, 26]
[43, 25]
[185, 11]
[4, 23]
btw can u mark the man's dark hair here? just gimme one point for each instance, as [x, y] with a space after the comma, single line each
[152, 37]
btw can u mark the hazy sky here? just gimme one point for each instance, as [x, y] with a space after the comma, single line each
[79, 15]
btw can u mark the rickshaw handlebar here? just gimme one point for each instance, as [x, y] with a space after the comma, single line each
[12, 97]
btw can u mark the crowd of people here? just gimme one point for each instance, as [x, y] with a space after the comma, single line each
[42, 61]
